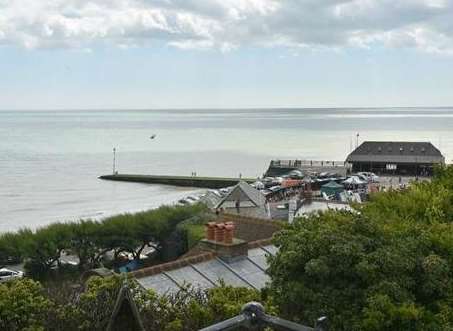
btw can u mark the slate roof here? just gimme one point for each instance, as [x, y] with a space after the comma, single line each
[249, 271]
[211, 199]
[244, 193]
[396, 152]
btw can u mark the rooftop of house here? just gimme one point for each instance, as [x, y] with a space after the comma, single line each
[207, 269]
[252, 203]
[394, 151]
[246, 194]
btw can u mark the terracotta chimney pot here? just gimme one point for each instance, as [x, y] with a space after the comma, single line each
[229, 229]
[210, 230]
[220, 232]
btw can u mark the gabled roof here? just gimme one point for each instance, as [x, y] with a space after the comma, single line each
[394, 151]
[249, 271]
[125, 314]
[244, 192]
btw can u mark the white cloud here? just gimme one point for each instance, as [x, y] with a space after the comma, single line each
[228, 24]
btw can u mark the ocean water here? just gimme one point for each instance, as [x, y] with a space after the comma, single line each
[50, 160]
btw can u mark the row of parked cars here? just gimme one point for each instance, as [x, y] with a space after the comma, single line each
[8, 274]
[193, 199]
[269, 185]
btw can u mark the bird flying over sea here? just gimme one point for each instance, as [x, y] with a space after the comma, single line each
[153, 136]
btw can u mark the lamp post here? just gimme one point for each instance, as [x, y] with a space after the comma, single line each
[114, 160]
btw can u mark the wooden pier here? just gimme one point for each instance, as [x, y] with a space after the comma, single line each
[185, 181]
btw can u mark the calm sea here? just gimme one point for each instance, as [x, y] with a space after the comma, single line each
[50, 160]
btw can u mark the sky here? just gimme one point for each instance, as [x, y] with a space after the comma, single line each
[104, 54]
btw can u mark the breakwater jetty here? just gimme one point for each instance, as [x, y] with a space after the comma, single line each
[185, 181]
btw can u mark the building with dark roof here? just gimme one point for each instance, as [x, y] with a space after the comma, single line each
[392, 157]
[208, 269]
[245, 200]
[247, 195]
[233, 251]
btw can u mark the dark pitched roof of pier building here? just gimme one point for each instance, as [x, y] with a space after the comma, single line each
[396, 152]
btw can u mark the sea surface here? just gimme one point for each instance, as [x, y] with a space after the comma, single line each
[50, 160]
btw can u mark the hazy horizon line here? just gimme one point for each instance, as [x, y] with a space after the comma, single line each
[217, 108]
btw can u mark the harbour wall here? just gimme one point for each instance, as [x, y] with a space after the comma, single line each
[184, 181]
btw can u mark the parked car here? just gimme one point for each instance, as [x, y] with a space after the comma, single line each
[275, 188]
[266, 192]
[192, 200]
[7, 274]
[323, 175]
[369, 176]
[258, 185]
[296, 174]
[216, 192]
[224, 190]
[362, 177]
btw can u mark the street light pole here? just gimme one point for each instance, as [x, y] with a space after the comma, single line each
[114, 159]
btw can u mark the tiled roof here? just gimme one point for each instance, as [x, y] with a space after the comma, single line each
[393, 151]
[248, 271]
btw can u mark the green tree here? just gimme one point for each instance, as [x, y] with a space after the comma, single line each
[44, 247]
[386, 266]
[90, 240]
[84, 242]
[23, 305]
[11, 248]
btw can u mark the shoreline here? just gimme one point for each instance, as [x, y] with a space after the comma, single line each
[170, 196]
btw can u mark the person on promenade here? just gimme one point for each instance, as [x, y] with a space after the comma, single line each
[238, 206]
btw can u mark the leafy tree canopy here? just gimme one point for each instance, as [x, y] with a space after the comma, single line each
[386, 266]
[89, 240]
[24, 305]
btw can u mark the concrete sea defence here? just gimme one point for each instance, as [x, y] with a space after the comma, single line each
[185, 181]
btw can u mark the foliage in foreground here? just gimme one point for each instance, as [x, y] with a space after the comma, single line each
[89, 240]
[387, 266]
[25, 305]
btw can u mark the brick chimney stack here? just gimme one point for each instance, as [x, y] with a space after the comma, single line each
[220, 240]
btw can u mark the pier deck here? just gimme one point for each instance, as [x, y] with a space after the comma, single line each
[185, 181]
[282, 167]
